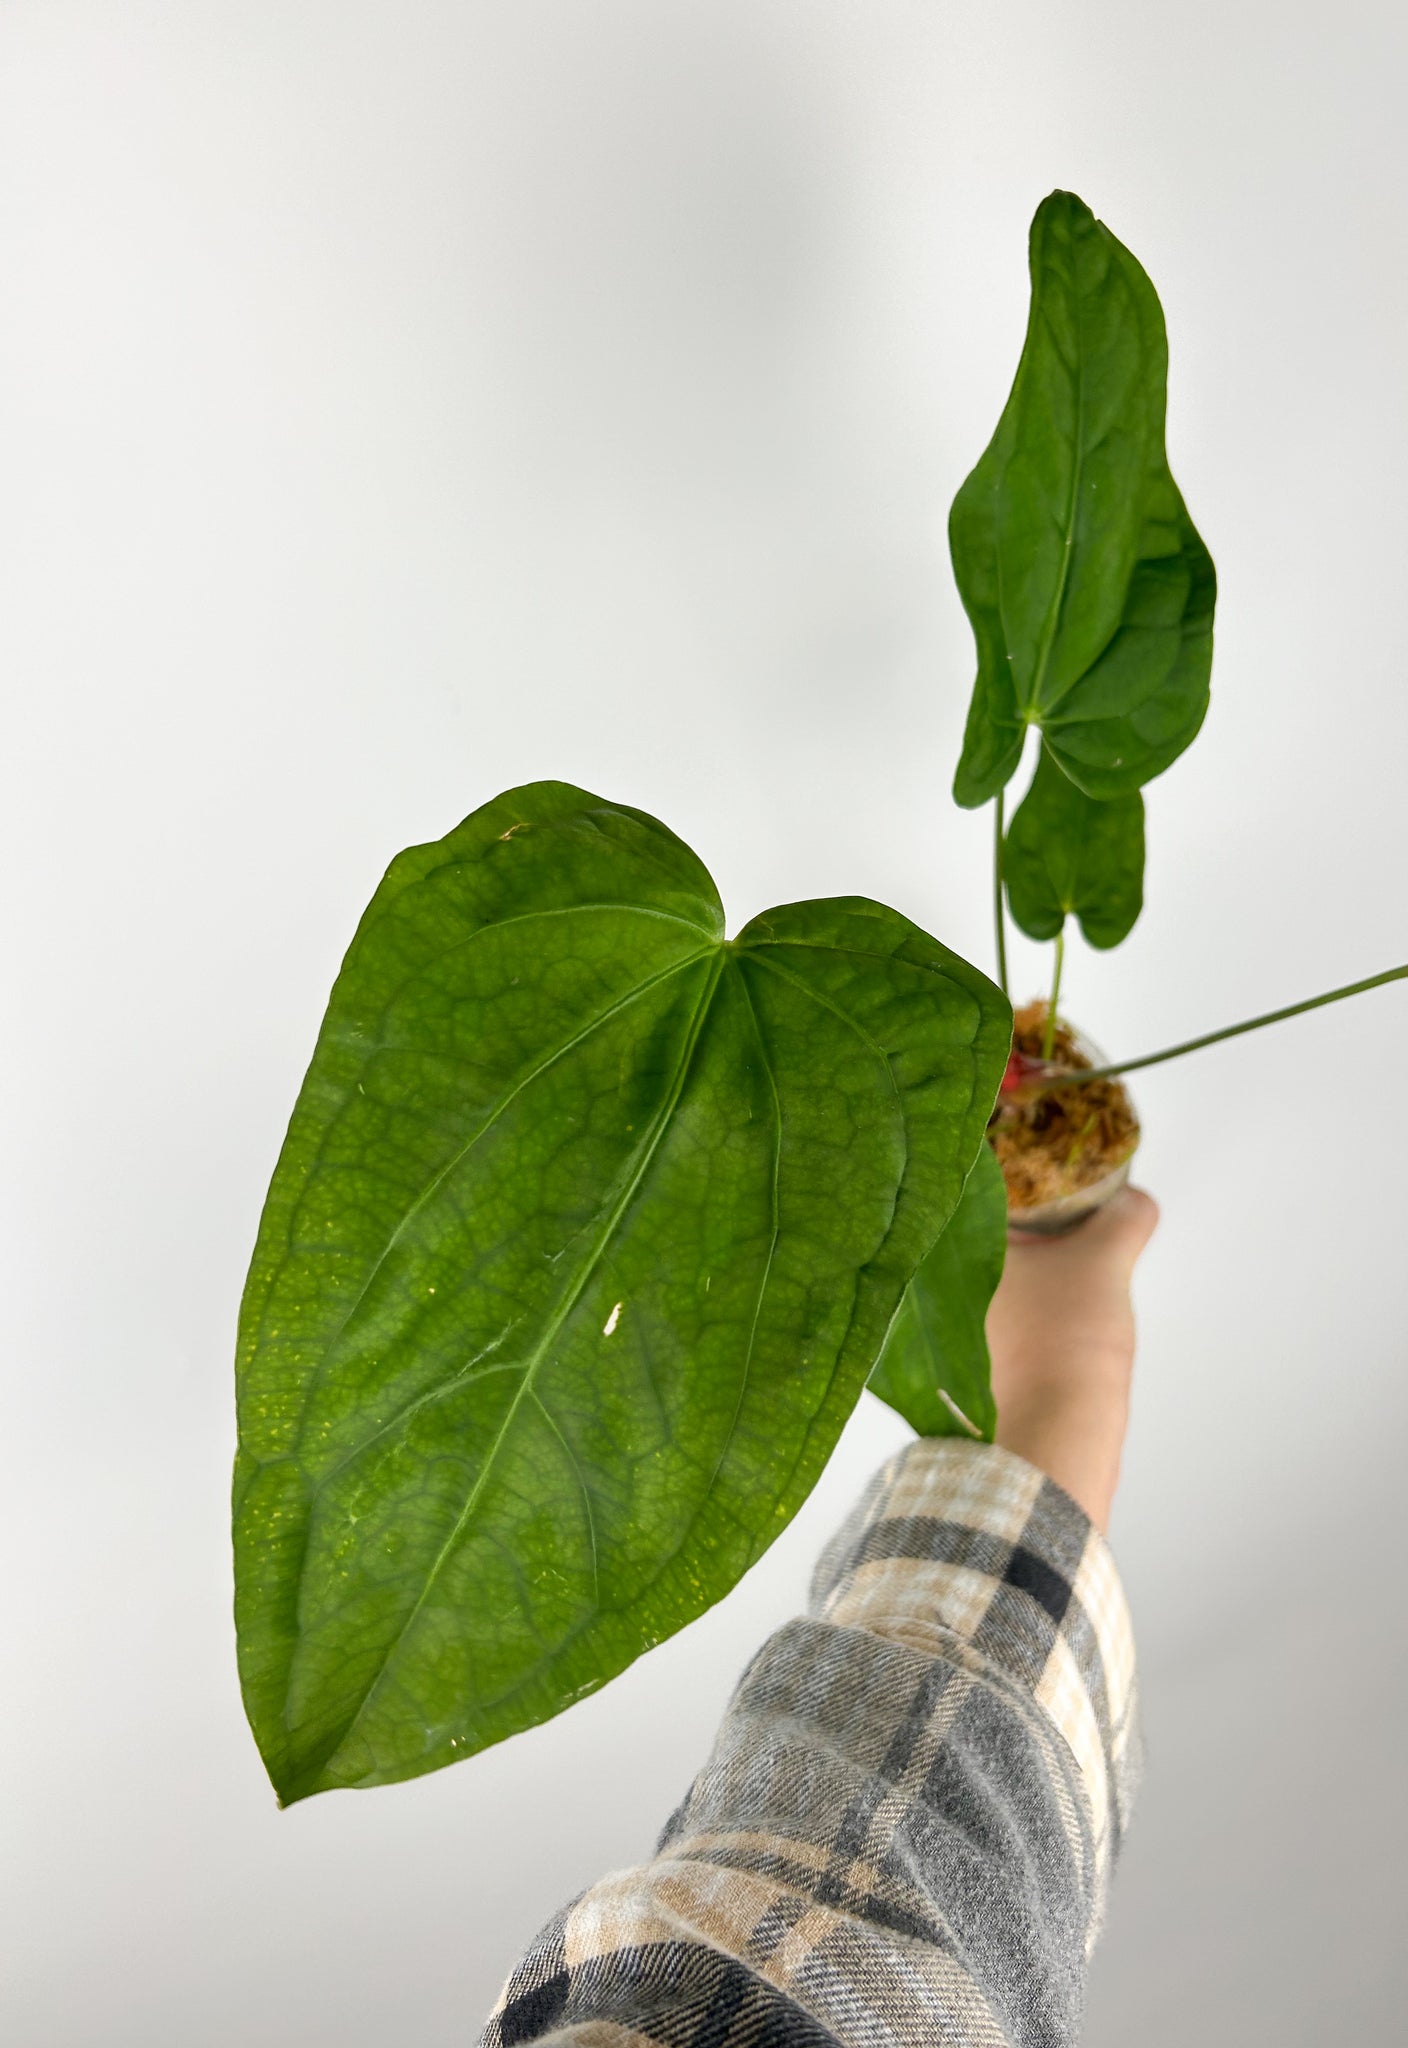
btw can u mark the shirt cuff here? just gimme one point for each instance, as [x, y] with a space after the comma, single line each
[964, 1550]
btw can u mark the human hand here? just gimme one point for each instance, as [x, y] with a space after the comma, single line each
[1061, 1333]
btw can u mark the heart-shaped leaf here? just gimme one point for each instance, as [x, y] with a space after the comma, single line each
[1067, 855]
[935, 1367]
[587, 1230]
[1089, 591]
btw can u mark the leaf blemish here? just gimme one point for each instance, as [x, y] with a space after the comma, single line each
[612, 1320]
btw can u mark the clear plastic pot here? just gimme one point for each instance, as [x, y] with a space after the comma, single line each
[1063, 1212]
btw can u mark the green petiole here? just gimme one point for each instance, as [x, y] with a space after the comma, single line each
[1172, 1052]
[1048, 1036]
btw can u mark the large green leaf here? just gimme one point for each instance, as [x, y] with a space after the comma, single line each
[935, 1367]
[1089, 591]
[1067, 855]
[587, 1230]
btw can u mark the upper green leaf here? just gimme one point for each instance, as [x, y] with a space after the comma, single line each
[1067, 855]
[586, 1233]
[1089, 591]
[935, 1367]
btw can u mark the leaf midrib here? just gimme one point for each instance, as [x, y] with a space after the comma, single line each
[753, 949]
[1031, 712]
[775, 1196]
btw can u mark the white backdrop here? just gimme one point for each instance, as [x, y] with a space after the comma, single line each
[402, 401]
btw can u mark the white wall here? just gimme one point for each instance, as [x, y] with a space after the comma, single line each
[401, 401]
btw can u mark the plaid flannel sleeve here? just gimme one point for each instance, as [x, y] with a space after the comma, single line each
[905, 1829]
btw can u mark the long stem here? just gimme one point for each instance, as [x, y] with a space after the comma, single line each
[999, 922]
[1172, 1052]
[1048, 1036]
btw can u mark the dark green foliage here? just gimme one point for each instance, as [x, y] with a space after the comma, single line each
[1067, 855]
[938, 1345]
[586, 1234]
[590, 1225]
[1089, 591]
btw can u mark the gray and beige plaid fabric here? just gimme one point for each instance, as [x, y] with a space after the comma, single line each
[905, 1830]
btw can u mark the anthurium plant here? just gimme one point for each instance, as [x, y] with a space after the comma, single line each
[592, 1224]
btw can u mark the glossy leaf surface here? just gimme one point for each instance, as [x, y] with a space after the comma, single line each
[587, 1231]
[1089, 591]
[935, 1367]
[1067, 855]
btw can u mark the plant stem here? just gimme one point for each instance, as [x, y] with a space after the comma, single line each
[999, 923]
[1172, 1052]
[1048, 1035]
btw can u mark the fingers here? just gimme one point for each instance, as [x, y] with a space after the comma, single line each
[1061, 1333]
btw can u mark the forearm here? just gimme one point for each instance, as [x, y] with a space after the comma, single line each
[1077, 1442]
[912, 1805]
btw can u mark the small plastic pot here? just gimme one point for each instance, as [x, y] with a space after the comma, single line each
[1063, 1212]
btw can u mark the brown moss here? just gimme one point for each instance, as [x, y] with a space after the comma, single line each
[1057, 1143]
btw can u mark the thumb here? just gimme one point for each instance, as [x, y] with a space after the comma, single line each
[1123, 1227]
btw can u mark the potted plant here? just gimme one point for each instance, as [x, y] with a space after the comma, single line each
[592, 1223]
